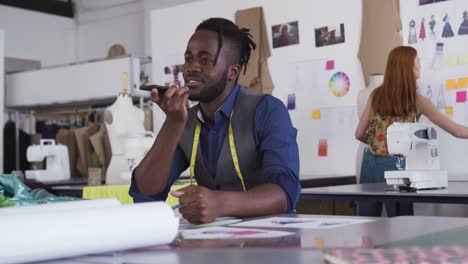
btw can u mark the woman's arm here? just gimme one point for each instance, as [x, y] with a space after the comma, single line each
[364, 121]
[428, 109]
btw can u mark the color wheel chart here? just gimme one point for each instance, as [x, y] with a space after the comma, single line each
[339, 84]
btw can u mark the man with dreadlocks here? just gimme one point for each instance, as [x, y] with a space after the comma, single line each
[241, 147]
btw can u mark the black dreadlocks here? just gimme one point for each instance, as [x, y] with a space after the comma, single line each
[240, 38]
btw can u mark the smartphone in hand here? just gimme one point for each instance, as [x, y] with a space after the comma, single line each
[149, 87]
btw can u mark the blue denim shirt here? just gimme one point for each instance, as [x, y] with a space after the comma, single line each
[275, 138]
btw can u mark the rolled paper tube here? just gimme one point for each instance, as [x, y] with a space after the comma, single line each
[51, 235]
[60, 206]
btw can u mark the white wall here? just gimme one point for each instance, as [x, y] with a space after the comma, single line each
[169, 41]
[56, 40]
[127, 24]
[150, 5]
[37, 36]
[2, 93]
[98, 30]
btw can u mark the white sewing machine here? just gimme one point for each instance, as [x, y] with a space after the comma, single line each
[57, 162]
[418, 143]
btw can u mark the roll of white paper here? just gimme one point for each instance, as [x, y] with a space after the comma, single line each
[51, 235]
[52, 207]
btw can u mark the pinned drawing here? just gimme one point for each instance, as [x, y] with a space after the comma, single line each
[339, 84]
[447, 31]
[432, 24]
[285, 34]
[438, 56]
[440, 101]
[329, 35]
[422, 30]
[291, 101]
[412, 39]
[463, 30]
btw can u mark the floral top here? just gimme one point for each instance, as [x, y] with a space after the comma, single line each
[376, 134]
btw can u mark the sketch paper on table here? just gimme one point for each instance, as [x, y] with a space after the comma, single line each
[303, 222]
[229, 232]
[220, 221]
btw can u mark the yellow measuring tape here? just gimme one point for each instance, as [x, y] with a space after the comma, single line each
[196, 139]
[235, 160]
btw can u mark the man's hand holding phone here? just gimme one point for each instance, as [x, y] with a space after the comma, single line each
[172, 100]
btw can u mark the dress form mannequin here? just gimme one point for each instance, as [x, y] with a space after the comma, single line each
[122, 119]
[375, 80]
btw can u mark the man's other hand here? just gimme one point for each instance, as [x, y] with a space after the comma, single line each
[199, 205]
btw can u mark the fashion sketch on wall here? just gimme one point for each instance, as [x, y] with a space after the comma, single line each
[432, 24]
[285, 34]
[329, 35]
[463, 30]
[422, 30]
[412, 38]
[447, 31]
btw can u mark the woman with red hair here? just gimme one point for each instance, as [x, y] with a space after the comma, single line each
[396, 100]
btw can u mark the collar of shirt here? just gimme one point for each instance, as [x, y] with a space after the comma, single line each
[225, 109]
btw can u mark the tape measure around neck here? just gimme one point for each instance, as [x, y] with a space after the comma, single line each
[196, 140]
[235, 160]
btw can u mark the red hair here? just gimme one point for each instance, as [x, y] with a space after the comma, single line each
[397, 95]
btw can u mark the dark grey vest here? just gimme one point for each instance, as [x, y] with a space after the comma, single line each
[226, 178]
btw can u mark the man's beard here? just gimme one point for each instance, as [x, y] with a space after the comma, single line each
[208, 94]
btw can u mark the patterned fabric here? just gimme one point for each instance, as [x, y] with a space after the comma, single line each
[377, 132]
